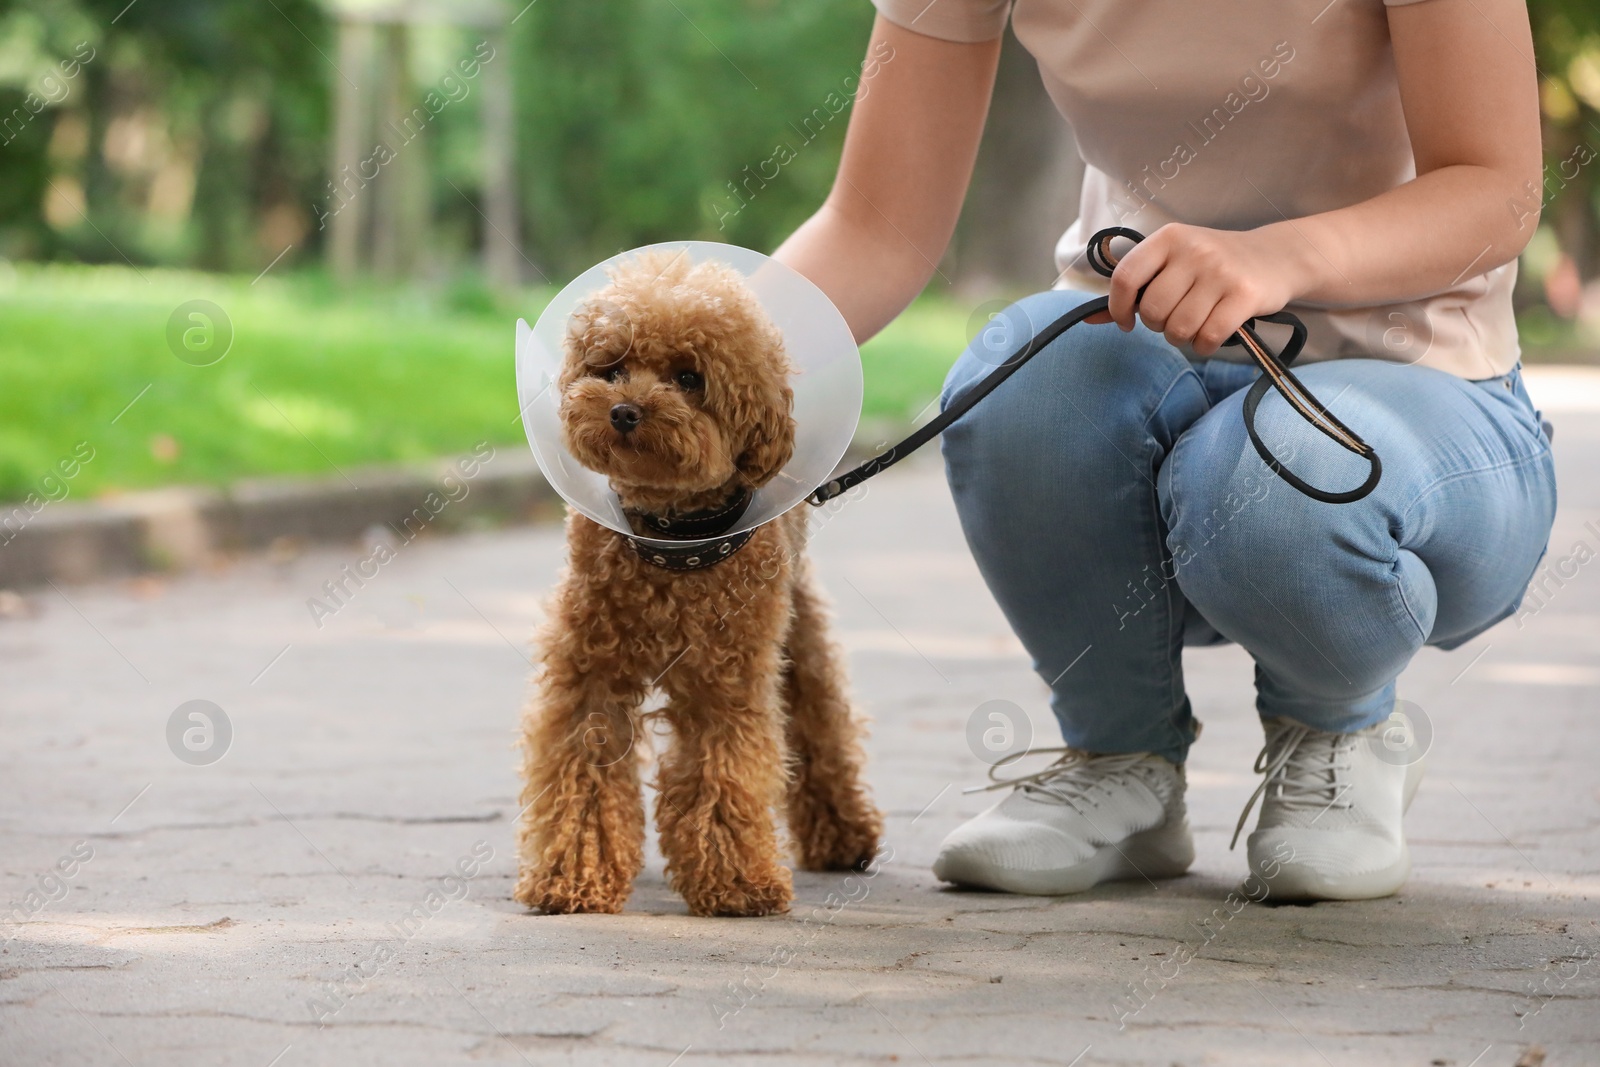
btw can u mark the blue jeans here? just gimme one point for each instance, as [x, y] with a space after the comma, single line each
[1118, 512]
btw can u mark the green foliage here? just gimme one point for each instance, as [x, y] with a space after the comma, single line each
[638, 121]
[1567, 42]
[310, 380]
[315, 377]
[230, 97]
[1560, 26]
[637, 115]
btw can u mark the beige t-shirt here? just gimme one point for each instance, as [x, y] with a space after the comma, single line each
[1236, 116]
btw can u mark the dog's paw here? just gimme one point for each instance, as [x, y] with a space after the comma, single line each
[744, 897]
[554, 894]
[855, 854]
[839, 843]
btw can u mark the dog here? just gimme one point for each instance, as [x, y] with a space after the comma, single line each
[675, 386]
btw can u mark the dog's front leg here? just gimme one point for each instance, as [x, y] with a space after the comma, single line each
[581, 842]
[719, 784]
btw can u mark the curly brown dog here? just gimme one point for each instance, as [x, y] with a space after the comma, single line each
[675, 386]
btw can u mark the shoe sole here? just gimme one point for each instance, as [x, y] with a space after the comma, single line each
[1300, 883]
[1166, 851]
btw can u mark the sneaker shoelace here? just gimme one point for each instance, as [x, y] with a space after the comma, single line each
[1072, 779]
[1307, 768]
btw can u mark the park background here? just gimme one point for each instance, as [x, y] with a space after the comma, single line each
[168, 516]
[374, 191]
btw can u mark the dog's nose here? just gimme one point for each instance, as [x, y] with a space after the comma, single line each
[625, 417]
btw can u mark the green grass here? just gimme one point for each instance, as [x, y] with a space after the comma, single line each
[317, 379]
[905, 365]
[313, 380]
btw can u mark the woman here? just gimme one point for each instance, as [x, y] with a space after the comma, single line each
[1374, 169]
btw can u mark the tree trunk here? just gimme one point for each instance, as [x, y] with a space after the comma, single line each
[502, 236]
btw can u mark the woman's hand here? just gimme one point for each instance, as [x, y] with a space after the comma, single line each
[1203, 284]
[1471, 105]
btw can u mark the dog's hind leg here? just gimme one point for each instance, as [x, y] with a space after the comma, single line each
[832, 819]
[581, 840]
[719, 783]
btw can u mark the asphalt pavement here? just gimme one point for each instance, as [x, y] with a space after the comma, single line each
[321, 872]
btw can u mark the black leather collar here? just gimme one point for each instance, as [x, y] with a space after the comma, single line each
[703, 529]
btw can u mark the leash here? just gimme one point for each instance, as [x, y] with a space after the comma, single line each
[1275, 375]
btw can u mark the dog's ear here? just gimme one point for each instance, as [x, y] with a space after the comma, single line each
[770, 442]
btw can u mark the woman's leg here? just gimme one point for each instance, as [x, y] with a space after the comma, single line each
[1333, 600]
[1054, 477]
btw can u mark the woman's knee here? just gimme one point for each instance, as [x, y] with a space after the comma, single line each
[1217, 503]
[1228, 514]
[1323, 587]
[1091, 390]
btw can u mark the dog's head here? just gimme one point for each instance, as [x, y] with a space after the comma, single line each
[675, 384]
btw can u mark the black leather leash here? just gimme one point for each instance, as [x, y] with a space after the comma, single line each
[1275, 375]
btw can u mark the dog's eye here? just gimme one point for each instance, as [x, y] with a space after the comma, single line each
[615, 372]
[688, 379]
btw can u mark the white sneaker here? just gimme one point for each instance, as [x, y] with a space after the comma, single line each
[1331, 808]
[1081, 821]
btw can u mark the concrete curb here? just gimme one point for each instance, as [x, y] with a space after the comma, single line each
[184, 527]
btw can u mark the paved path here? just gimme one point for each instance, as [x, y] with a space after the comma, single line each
[167, 913]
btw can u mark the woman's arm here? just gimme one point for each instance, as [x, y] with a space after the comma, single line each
[1471, 104]
[908, 157]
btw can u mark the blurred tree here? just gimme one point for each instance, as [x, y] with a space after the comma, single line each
[1025, 185]
[191, 131]
[41, 76]
[1567, 42]
[195, 132]
[652, 120]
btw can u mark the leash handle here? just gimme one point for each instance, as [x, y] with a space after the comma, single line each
[1275, 375]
